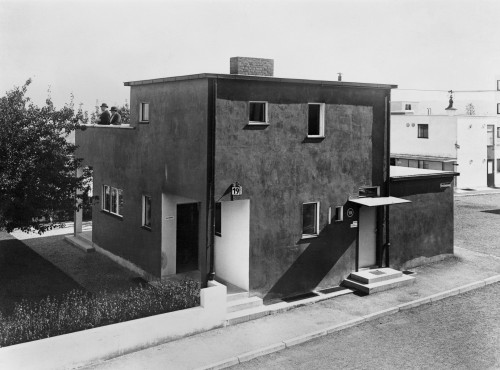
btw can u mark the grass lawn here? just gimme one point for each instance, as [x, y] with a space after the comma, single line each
[25, 274]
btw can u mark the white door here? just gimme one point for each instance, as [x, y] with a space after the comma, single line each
[367, 237]
[232, 243]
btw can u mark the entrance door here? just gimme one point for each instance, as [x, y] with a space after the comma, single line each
[367, 237]
[490, 173]
[187, 237]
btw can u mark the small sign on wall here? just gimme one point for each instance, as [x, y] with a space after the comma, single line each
[236, 190]
[354, 224]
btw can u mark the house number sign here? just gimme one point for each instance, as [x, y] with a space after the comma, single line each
[236, 190]
[350, 212]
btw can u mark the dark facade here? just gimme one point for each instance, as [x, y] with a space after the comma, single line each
[191, 138]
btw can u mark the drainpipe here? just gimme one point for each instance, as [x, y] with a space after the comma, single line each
[388, 178]
[211, 175]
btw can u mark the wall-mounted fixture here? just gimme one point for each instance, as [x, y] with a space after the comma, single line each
[412, 125]
[408, 125]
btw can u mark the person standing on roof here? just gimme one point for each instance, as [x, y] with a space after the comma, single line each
[116, 119]
[105, 117]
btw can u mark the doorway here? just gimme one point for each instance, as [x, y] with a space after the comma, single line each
[490, 180]
[187, 237]
[367, 237]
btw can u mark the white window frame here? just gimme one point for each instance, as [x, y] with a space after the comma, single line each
[113, 193]
[321, 120]
[266, 113]
[141, 111]
[316, 226]
[144, 219]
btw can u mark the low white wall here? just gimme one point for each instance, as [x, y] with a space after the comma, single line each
[90, 346]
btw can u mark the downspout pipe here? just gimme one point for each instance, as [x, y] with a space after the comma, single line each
[211, 176]
[388, 177]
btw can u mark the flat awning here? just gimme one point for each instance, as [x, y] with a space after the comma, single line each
[379, 201]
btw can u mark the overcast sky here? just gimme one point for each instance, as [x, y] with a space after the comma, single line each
[90, 48]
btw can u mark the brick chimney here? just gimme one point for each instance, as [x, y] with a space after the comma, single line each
[252, 66]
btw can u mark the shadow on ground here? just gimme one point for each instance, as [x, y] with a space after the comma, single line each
[24, 274]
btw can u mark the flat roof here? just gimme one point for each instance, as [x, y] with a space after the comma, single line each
[260, 78]
[399, 173]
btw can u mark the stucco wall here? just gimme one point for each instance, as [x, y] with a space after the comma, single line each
[280, 169]
[441, 141]
[168, 155]
[423, 228]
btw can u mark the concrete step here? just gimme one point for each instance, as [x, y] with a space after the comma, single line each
[243, 304]
[375, 275]
[379, 286]
[253, 313]
[80, 243]
[231, 297]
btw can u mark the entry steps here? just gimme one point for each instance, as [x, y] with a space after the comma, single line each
[377, 280]
[82, 241]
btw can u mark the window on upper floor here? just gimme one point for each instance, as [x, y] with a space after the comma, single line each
[339, 214]
[407, 106]
[423, 131]
[112, 200]
[146, 211]
[144, 112]
[498, 85]
[316, 120]
[257, 112]
[498, 165]
[498, 132]
[369, 191]
[498, 108]
[310, 219]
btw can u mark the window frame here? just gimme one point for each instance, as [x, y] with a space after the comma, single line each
[488, 136]
[144, 211]
[316, 221]
[407, 106]
[419, 125]
[498, 132]
[498, 164]
[115, 197]
[266, 113]
[498, 108]
[141, 112]
[339, 213]
[321, 120]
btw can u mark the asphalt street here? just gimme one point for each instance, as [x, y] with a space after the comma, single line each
[460, 332]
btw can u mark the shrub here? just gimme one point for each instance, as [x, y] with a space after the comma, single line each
[80, 310]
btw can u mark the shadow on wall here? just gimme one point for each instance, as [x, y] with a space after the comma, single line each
[334, 247]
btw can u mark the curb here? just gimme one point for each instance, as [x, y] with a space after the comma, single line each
[336, 328]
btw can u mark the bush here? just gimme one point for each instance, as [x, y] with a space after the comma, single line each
[79, 310]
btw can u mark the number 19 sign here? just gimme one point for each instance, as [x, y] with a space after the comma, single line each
[236, 190]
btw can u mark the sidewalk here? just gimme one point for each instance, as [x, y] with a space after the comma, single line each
[238, 343]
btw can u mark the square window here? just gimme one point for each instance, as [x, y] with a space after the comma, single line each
[146, 211]
[310, 219]
[257, 112]
[423, 131]
[144, 112]
[316, 120]
[407, 106]
[218, 219]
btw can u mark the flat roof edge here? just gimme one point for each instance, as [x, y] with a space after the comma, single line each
[445, 174]
[259, 78]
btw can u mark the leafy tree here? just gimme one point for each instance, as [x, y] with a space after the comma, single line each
[37, 163]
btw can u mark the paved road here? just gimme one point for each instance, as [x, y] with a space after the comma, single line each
[461, 332]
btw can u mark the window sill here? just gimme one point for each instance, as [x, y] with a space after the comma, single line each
[146, 228]
[258, 123]
[114, 215]
[309, 236]
[143, 122]
[313, 139]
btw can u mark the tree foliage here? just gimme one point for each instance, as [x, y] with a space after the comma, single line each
[37, 164]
